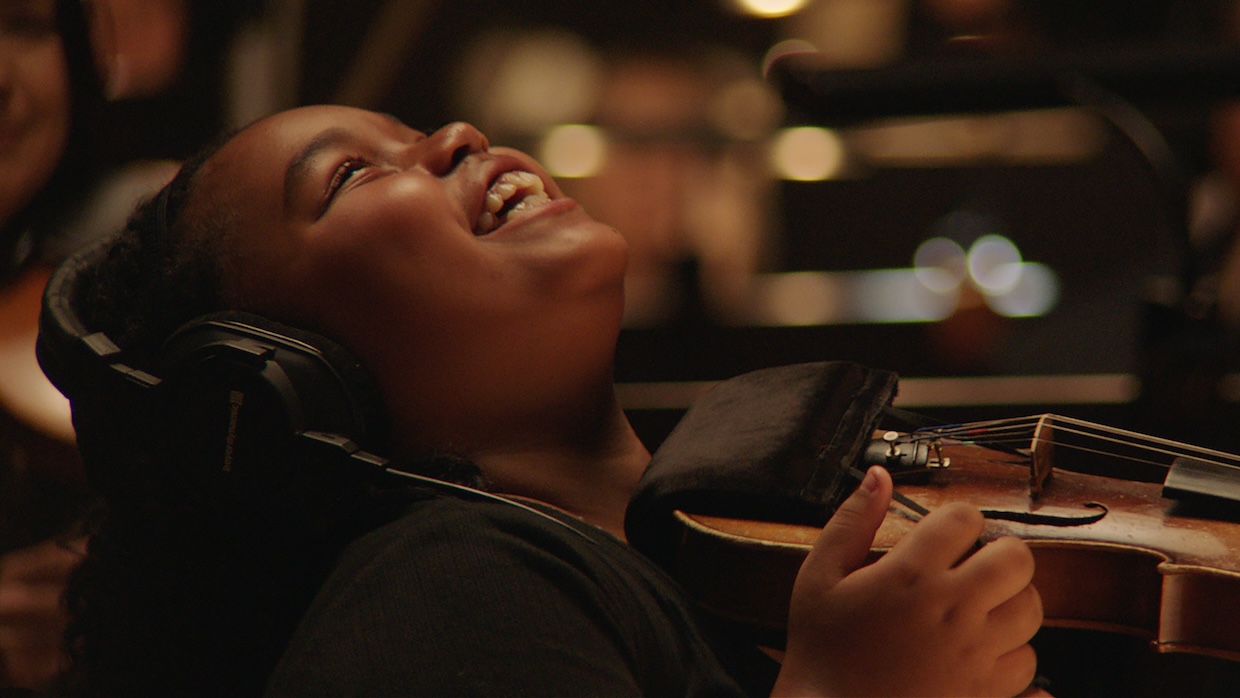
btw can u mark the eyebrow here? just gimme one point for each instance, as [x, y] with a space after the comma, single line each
[299, 166]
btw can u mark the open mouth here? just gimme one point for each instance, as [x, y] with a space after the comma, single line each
[512, 195]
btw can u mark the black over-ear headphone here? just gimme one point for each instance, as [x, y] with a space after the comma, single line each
[235, 397]
[239, 408]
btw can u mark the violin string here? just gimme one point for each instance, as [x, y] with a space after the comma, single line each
[995, 431]
[1148, 447]
[1022, 431]
[985, 426]
[1114, 435]
[1100, 452]
[1184, 448]
[1007, 435]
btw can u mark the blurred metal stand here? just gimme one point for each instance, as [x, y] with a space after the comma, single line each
[1142, 76]
[380, 58]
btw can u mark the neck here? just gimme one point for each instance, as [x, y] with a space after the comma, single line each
[590, 471]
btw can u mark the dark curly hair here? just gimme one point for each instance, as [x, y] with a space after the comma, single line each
[181, 596]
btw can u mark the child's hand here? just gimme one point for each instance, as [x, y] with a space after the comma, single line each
[920, 621]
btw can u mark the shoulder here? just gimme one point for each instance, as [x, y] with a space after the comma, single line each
[476, 597]
[447, 530]
[477, 554]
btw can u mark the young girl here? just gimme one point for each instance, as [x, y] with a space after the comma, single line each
[485, 306]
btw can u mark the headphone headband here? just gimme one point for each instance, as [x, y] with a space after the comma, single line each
[65, 346]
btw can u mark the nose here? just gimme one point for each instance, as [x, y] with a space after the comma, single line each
[448, 146]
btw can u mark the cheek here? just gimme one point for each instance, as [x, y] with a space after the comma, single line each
[385, 261]
[40, 102]
[405, 216]
[45, 80]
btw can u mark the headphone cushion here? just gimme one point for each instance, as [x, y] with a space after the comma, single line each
[237, 389]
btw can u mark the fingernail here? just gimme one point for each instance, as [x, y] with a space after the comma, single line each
[870, 481]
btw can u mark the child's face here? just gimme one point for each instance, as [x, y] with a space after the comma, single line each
[34, 100]
[351, 224]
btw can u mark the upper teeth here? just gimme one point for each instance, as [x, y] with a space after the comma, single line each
[520, 191]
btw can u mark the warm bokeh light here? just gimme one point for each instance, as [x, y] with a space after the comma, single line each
[830, 298]
[897, 295]
[1034, 293]
[770, 8]
[573, 150]
[939, 264]
[852, 33]
[994, 264]
[807, 154]
[799, 299]
[525, 83]
[746, 110]
[785, 48]
[1039, 137]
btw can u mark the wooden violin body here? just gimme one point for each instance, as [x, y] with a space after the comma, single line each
[1111, 554]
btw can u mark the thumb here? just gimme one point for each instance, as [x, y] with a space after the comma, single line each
[844, 544]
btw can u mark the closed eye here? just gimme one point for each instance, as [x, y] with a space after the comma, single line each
[340, 177]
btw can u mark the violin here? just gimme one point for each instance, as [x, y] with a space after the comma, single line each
[1147, 544]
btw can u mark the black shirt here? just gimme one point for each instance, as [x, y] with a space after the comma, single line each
[485, 598]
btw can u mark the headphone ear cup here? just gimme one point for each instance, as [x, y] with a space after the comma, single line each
[237, 393]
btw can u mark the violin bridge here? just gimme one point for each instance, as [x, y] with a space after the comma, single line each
[1042, 455]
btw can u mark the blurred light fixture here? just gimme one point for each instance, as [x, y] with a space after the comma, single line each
[896, 295]
[1039, 137]
[853, 33]
[830, 298]
[886, 296]
[1034, 293]
[807, 154]
[525, 83]
[573, 150]
[770, 8]
[785, 48]
[992, 265]
[746, 110]
[939, 264]
[799, 299]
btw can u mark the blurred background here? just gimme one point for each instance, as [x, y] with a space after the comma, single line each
[1019, 205]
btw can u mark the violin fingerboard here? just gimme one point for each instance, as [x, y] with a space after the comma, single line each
[1190, 479]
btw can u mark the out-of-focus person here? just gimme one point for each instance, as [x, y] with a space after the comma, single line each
[59, 187]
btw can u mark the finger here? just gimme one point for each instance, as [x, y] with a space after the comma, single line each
[844, 544]
[1014, 622]
[46, 561]
[24, 603]
[997, 571]
[940, 539]
[29, 596]
[1014, 671]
